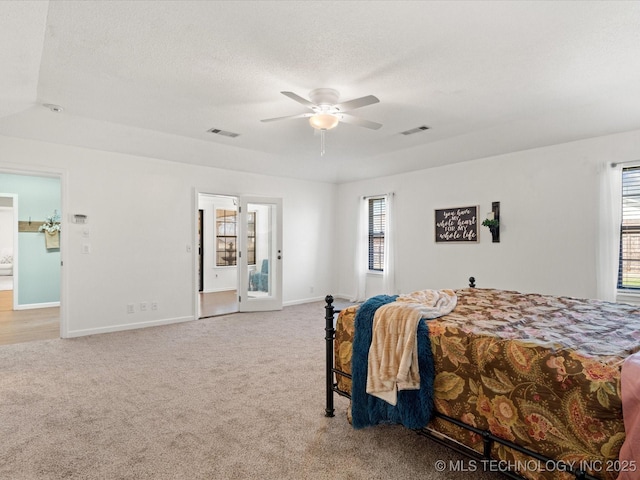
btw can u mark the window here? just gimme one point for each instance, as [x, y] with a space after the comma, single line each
[629, 264]
[227, 238]
[377, 213]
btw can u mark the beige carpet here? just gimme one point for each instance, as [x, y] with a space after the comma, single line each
[239, 396]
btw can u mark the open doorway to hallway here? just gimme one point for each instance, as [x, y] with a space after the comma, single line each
[29, 264]
[217, 255]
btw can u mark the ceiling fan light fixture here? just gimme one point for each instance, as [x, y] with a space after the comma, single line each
[323, 121]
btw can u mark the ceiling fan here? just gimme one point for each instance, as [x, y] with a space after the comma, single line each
[326, 112]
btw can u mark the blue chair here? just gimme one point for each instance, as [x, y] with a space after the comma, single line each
[263, 276]
[253, 280]
[259, 280]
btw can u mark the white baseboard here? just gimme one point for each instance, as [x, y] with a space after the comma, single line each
[343, 296]
[29, 306]
[314, 299]
[127, 326]
[303, 300]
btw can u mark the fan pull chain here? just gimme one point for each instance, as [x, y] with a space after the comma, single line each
[322, 142]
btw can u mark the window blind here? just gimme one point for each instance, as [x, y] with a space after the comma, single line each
[377, 220]
[629, 264]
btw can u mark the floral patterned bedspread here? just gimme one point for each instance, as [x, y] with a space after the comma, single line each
[540, 371]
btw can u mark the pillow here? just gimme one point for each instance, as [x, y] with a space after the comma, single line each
[6, 259]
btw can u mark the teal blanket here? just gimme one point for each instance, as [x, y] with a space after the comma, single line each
[414, 407]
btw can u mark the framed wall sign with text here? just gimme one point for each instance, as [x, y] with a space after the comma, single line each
[458, 224]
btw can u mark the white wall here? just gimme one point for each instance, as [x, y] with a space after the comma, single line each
[549, 220]
[142, 219]
[141, 222]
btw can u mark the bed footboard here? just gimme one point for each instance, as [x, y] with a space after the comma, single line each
[331, 371]
[330, 333]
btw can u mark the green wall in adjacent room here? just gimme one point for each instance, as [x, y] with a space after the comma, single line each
[39, 268]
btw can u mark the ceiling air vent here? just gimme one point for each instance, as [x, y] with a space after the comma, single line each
[224, 133]
[415, 130]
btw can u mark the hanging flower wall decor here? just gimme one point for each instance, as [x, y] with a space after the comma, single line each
[51, 224]
[51, 229]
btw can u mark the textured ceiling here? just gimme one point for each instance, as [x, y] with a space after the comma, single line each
[151, 77]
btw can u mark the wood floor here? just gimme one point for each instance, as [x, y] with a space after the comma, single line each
[218, 303]
[18, 326]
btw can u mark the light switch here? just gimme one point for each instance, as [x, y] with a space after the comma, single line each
[86, 248]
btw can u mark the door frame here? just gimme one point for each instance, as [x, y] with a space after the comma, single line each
[63, 176]
[14, 235]
[200, 250]
[194, 245]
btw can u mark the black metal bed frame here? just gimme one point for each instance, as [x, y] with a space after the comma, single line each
[487, 437]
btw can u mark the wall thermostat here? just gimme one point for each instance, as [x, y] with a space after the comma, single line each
[79, 218]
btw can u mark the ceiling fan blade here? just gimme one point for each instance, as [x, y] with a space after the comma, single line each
[356, 103]
[302, 115]
[361, 122]
[299, 99]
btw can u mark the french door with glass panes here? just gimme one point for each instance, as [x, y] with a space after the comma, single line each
[260, 254]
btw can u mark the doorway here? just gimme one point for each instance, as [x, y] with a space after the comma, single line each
[30, 267]
[238, 264]
[217, 260]
[8, 234]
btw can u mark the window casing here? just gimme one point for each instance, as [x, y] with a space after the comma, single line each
[251, 239]
[377, 222]
[629, 262]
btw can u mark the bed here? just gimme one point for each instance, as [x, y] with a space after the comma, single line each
[528, 385]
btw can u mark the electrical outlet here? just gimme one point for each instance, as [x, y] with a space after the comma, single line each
[310, 289]
[154, 305]
[144, 306]
[130, 308]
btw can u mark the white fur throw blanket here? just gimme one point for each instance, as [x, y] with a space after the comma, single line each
[393, 354]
